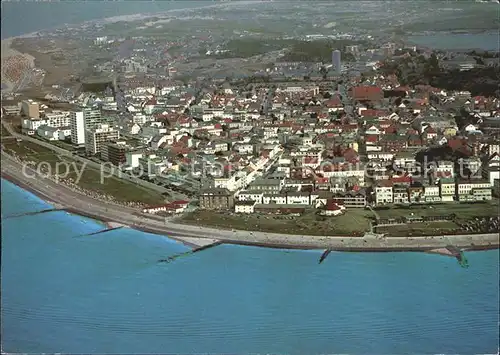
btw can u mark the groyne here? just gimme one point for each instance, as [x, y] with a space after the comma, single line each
[197, 236]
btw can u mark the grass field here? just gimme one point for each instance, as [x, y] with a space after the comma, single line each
[419, 229]
[355, 221]
[121, 190]
[462, 210]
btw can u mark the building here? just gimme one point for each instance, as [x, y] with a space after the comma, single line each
[447, 189]
[53, 133]
[355, 199]
[491, 173]
[473, 190]
[336, 61]
[54, 119]
[251, 195]
[431, 193]
[216, 199]
[30, 109]
[332, 209]
[114, 153]
[496, 188]
[384, 193]
[132, 158]
[267, 185]
[82, 121]
[11, 110]
[244, 206]
[400, 194]
[77, 124]
[96, 138]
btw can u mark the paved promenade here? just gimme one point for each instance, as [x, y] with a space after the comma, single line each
[78, 203]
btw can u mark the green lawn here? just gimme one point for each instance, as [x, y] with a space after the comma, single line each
[121, 190]
[419, 229]
[355, 221]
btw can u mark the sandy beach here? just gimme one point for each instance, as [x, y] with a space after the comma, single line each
[88, 207]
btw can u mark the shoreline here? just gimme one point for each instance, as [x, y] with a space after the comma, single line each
[267, 240]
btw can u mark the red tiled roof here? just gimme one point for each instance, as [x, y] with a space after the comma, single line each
[373, 113]
[333, 103]
[331, 206]
[310, 160]
[401, 179]
[365, 91]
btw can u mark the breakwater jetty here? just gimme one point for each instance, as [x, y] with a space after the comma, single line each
[17, 215]
[191, 252]
[198, 236]
[101, 231]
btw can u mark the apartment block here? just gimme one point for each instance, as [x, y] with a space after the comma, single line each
[95, 139]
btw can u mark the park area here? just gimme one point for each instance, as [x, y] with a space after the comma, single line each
[353, 222]
[45, 159]
[480, 217]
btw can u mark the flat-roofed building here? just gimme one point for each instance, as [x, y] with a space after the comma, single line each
[114, 152]
[244, 206]
[216, 199]
[447, 189]
[30, 108]
[95, 139]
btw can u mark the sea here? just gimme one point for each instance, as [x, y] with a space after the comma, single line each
[66, 291]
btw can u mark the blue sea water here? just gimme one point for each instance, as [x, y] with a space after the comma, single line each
[489, 41]
[64, 292]
[22, 17]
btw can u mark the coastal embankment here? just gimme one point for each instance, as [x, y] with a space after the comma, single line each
[197, 236]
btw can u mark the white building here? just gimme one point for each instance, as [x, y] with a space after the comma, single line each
[77, 124]
[53, 133]
[82, 121]
[431, 193]
[244, 206]
[249, 195]
[132, 158]
[466, 187]
[383, 195]
[58, 118]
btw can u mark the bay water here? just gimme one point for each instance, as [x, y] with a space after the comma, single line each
[64, 291]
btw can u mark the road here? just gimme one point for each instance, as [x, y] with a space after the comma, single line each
[76, 202]
[117, 173]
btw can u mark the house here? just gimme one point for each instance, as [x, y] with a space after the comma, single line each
[400, 194]
[244, 206]
[384, 192]
[416, 193]
[447, 189]
[332, 209]
[444, 167]
[491, 173]
[173, 207]
[53, 133]
[251, 195]
[431, 194]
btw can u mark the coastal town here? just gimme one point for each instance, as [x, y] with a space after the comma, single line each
[337, 135]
